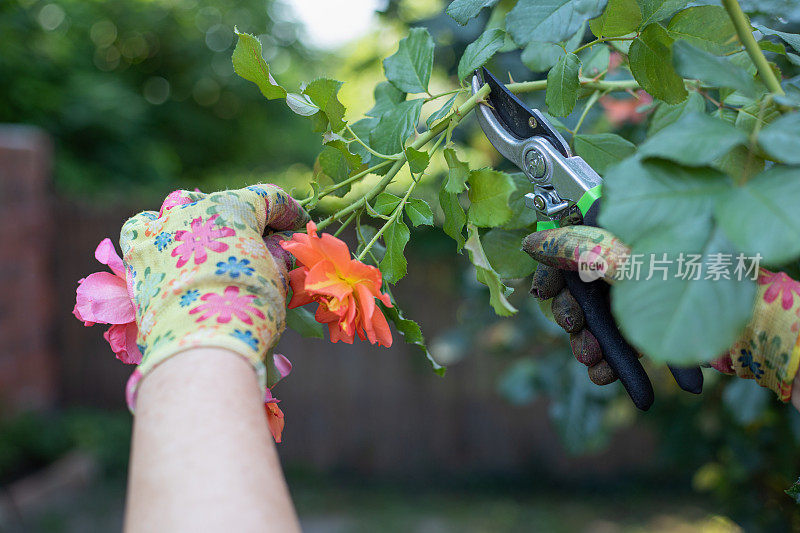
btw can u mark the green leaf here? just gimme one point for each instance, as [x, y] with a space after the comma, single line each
[775, 48]
[441, 112]
[386, 203]
[409, 69]
[706, 27]
[488, 195]
[364, 234]
[748, 116]
[419, 212]
[395, 126]
[487, 275]
[781, 139]
[644, 198]
[302, 321]
[463, 10]
[539, 56]
[602, 150]
[684, 321]
[522, 216]
[550, 21]
[387, 96]
[454, 216]
[479, 52]
[503, 248]
[692, 62]
[619, 18]
[762, 217]
[250, 65]
[666, 114]
[457, 174]
[411, 333]
[417, 161]
[695, 139]
[301, 104]
[324, 93]
[656, 10]
[594, 60]
[650, 58]
[363, 128]
[562, 85]
[338, 163]
[792, 39]
[393, 265]
[794, 491]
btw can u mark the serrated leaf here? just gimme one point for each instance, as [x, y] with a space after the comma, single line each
[386, 203]
[775, 48]
[395, 126]
[650, 58]
[781, 139]
[463, 10]
[411, 333]
[324, 93]
[761, 216]
[457, 173]
[419, 212]
[684, 321]
[387, 96]
[792, 39]
[417, 161]
[645, 198]
[595, 60]
[393, 265]
[302, 321]
[695, 139]
[409, 69]
[503, 248]
[480, 51]
[602, 150]
[488, 195]
[550, 21]
[454, 216]
[250, 65]
[562, 85]
[691, 62]
[619, 18]
[486, 274]
[666, 114]
[441, 112]
[539, 56]
[522, 216]
[656, 10]
[706, 27]
[338, 163]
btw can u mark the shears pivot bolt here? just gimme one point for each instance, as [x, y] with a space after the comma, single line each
[535, 164]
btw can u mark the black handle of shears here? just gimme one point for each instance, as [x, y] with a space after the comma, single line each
[621, 356]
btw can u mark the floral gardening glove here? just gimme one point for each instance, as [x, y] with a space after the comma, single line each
[205, 270]
[768, 350]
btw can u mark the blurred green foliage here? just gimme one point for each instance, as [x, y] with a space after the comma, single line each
[142, 95]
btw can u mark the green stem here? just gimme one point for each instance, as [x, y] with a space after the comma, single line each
[345, 224]
[398, 211]
[601, 40]
[348, 181]
[591, 83]
[435, 96]
[589, 103]
[393, 157]
[745, 33]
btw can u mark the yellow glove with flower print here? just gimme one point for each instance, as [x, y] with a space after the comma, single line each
[768, 349]
[206, 270]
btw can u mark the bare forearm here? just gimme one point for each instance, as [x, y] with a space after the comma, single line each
[202, 456]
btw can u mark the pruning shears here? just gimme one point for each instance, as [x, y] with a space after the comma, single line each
[566, 191]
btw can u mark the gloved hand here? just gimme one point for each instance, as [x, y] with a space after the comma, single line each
[768, 350]
[206, 270]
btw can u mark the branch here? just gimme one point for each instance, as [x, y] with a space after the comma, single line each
[745, 33]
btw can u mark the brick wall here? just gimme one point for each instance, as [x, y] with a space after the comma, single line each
[26, 357]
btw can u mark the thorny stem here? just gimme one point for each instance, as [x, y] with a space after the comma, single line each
[398, 211]
[348, 181]
[745, 33]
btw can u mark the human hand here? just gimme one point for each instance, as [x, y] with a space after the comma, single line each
[767, 350]
[204, 271]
